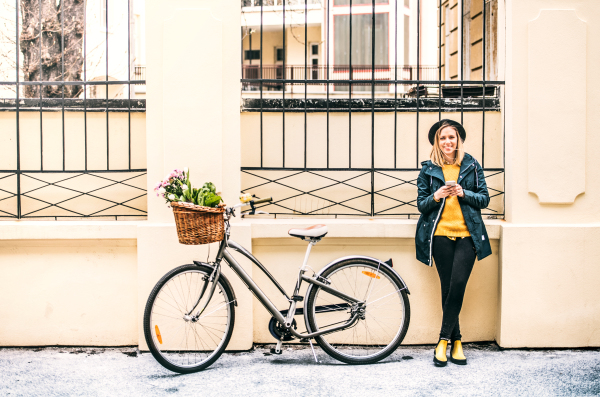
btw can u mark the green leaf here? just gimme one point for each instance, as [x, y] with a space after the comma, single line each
[212, 200]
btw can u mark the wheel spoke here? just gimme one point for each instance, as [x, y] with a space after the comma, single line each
[378, 330]
[185, 345]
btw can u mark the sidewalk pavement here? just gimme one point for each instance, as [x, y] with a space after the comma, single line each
[491, 371]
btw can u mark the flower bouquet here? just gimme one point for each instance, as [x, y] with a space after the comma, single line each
[198, 212]
[176, 187]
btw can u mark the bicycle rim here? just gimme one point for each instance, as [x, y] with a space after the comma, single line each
[382, 327]
[183, 343]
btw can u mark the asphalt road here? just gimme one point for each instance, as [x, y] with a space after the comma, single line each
[410, 371]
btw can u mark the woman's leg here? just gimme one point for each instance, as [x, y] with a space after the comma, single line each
[462, 265]
[443, 255]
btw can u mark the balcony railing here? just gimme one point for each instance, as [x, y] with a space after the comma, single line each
[339, 72]
[271, 3]
[139, 72]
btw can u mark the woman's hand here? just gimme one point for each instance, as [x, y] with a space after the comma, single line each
[457, 190]
[442, 192]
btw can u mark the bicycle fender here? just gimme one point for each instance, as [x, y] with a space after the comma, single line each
[221, 277]
[368, 258]
[335, 262]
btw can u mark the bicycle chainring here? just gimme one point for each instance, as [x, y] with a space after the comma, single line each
[279, 332]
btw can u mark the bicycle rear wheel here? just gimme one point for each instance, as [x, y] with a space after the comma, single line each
[379, 330]
[178, 341]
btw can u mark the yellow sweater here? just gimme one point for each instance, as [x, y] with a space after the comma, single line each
[452, 223]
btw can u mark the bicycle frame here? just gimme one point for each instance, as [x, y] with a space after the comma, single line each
[265, 301]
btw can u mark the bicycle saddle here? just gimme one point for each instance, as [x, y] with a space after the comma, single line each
[314, 231]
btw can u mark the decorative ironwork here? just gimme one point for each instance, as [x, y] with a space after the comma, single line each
[102, 183]
[73, 194]
[351, 191]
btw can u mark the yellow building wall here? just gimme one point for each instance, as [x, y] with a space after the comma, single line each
[283, 256]
[68, 292]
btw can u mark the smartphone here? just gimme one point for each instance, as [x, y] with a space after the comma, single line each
[450, 183]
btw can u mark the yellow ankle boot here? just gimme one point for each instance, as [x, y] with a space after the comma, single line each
[456, 353]
[439, 354]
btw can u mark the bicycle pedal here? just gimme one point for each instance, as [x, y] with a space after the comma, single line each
[274, 351]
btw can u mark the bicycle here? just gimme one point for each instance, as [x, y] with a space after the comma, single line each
[356, 307]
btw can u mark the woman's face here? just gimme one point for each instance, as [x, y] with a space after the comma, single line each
[448, 141]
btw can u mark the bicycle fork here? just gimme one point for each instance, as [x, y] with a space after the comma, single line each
[214, 279]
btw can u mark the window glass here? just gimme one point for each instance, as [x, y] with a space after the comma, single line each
[252, 54]
[362, 55]
[361, 40]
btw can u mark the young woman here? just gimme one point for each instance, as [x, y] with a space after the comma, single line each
[450, 228]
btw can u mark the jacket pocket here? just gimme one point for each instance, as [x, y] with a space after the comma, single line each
[422, 232]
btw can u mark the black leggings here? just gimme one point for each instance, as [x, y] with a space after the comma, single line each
[454, 260]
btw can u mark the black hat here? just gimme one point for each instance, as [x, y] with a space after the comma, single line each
[461, 130]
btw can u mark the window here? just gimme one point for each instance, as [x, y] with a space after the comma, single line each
[279, 55]
[315, 49]
[314, 61]
[361, 39]
[251, 54]
[361, 44]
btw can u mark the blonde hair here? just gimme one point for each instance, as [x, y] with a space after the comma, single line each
[437, 156]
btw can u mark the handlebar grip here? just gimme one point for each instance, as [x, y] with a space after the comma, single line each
[265, 200]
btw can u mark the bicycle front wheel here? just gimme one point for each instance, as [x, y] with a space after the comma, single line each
[177, 340]
[380, 328]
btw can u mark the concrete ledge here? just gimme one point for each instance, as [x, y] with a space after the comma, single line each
[65, 230]
[351, 228]
[261, 228]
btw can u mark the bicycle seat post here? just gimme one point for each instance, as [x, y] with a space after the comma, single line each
[295, 297]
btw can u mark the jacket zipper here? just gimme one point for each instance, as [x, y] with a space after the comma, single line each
[433, 231]
[466, 169]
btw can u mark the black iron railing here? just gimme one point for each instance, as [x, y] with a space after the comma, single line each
[298, 73]
[303, 188]
[271, 3]
[92, 172]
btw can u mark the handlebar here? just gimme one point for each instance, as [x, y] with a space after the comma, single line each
[265, 200]
[251, 203]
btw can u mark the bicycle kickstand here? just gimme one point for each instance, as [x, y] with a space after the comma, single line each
[313, 350]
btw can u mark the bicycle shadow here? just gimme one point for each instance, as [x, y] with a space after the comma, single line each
[176, 375]
[311, 361]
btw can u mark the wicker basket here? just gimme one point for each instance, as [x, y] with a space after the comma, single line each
[197, 224]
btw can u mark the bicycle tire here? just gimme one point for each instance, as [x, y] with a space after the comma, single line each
[354, 345]
[206, 338]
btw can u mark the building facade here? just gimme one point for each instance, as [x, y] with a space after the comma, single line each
[86, 282]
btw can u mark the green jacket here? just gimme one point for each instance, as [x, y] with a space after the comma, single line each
[476, 198]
